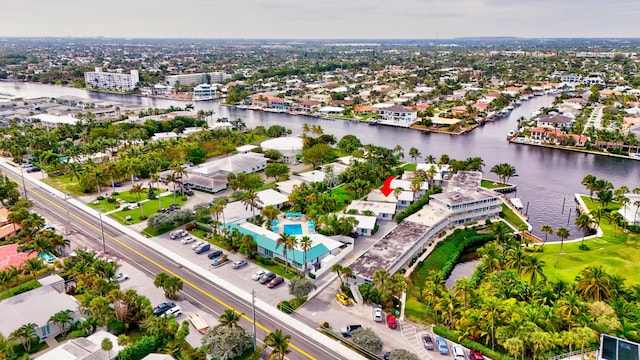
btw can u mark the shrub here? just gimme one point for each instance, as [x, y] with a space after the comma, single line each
[324, 325]
[414, 207]
[28, 286]
[190, 226]
[117, 327]
[468, 343]
[100, 197]
[76, 334]
[141, 348]
[285, 307]
[111, 199]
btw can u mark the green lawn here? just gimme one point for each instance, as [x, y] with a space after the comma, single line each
[64, 183]
[149, 208]
[340, 195]
[488, 184]
[617, 252]
[511, 217]
[409, 167]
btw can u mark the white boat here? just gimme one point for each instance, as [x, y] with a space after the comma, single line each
[511, 134]
[516, 203]
[198, 322]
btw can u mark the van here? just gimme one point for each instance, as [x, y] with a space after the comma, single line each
[458, 353]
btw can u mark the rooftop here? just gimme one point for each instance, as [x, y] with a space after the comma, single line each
[384, 253]
[374, 206]
[465, 180]
[283, 144]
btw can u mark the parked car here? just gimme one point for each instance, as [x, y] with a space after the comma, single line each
[189, 192]
[443, 348]
[392, 323]
[117, 184]
[214, 254]
[173, 312]
[267, 277]
[458, 352]
[33, 169]
[428, 342]
[258, 274]
[120, 277]
[161, 308]
[239, 263]
[275, 282]
[476, 355]
[203, 249]
[343, 299]
[346, 331]
[378, 315]
[197, 244]
[187, 240]
[178, 233]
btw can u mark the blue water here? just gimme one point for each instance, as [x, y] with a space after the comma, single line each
[63, 159]
[293, 229]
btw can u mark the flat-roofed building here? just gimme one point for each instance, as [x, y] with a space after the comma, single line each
[112, 80]
[382, 210]
[270, 197]
[365, 225]
[236, 164]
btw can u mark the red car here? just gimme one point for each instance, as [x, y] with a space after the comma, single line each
[475, 355]
[392, 323]
[275, 282]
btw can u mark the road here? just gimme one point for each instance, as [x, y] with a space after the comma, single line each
[210, 296]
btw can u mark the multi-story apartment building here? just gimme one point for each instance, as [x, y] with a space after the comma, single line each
[204, 92]
[112, 80]
[197, 78]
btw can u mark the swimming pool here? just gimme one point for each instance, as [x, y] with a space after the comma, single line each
[293, 229]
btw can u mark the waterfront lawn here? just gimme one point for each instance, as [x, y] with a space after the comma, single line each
[511, 217]
[148, 208]
[488, 184]
[617, 252]
[409, 167]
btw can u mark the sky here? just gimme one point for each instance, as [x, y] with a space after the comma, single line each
[320, 19]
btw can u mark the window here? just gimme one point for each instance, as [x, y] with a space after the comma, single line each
[268, 252]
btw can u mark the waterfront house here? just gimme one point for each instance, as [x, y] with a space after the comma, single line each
[331, 110]
[164, 136]
[309, 106]
[399, 114]
[554, 121]
[554, 136]
[365, 110]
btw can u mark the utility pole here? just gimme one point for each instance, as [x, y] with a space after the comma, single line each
[66, 205]
[253, 304]
[24, 187]
[104, 246]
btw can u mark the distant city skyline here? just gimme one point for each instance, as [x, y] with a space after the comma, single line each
[328, 19]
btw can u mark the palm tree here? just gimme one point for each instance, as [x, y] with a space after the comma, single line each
[32, 266]
[26, 334]
[583, 222]
[251, 201]
[381, 276]
[41, 244]
[594, 283]
[604, 197]
[504, 171]
[62, 319]
[532, 268]
[107, 346]
[228, 319]
[288, 243]
[546, 230]
[139, 189]
[562, 233]
[399, 151]
[414, 154]
[338, 269]
[588, 182]
[306, 243]
[279, 344]
[270, 213]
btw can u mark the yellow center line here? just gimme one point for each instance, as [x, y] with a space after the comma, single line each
[165, 269]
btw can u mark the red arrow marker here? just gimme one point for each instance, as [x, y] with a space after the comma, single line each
[386, 188]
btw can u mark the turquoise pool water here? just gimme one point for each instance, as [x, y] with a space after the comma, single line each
[46, 257]
[293, 229]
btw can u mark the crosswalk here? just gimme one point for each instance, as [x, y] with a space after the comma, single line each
[410, 334]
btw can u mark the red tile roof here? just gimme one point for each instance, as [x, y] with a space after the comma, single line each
[9, 255]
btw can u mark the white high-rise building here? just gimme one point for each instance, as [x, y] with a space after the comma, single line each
[112, 81]
[197, 78]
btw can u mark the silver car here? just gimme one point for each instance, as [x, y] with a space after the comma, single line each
[187, 240]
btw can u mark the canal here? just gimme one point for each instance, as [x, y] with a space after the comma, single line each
[547, 178]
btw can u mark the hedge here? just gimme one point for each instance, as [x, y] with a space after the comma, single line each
[468, 343]
[141, 348]
[414, 207]
[28, 286]
[446, 253]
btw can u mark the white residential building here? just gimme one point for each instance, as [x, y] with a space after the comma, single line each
[631, 211]
[365, 226]
[204, 92]
[196, 78]
[112, 80]
[399, 114]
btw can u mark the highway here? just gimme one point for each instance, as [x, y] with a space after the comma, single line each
[208, 295]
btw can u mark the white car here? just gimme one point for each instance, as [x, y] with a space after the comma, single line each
[178, 233]
[197, 244]
[120, 277]
[378, 315]
[187, 240]
[258, 274]
[173, 312]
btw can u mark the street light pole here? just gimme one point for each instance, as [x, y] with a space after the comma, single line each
[66, 205]
[24, 186]
[253, 303]
[104, 246]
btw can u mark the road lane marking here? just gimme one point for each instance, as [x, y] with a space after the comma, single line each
[165, 269]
